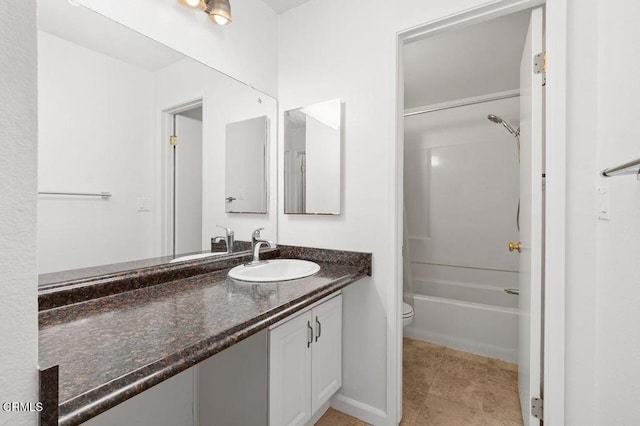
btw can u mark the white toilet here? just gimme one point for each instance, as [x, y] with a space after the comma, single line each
[407, 314]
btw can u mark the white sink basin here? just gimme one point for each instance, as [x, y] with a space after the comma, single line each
[196, 256]
[275, 270]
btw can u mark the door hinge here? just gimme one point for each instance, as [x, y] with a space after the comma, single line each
[173, 140]
[537, 408]
[540, 63]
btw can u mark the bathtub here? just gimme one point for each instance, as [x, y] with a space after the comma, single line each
[475, 318]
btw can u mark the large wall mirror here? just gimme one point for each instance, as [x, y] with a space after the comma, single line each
[312, 159]
[134, 148]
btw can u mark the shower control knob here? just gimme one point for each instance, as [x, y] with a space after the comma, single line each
[515, 246]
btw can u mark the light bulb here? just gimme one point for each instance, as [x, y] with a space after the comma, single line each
[220, 20]
[193, 3]
[219, 11]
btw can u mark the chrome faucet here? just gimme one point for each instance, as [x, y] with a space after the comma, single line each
[229, 238]
[256, 243]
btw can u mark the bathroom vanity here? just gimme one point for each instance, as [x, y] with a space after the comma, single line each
[113, 337]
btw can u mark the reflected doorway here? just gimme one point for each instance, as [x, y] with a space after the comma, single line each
[184, 183]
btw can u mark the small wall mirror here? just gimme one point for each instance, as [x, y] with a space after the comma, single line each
[312, 159]
[245, 165]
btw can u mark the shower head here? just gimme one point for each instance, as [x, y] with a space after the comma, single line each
[494, 118]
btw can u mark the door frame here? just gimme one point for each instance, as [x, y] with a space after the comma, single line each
[164, 206]
[553, 339]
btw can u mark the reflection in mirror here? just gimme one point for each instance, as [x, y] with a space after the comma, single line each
[246, 190]
[312, 159]
[123, 114]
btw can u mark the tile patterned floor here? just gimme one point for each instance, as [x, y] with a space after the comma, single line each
[336, 418]
[445, 387]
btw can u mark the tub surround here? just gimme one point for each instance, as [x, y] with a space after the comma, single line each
[124, 334]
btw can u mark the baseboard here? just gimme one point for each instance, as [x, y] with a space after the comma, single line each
[359, 410]
[509, 355]
[319, 413]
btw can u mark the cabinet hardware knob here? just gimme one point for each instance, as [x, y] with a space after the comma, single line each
[515, 246]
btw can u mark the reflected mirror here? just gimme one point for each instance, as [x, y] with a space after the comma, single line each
[133, 138]
[312, 159]
[246, 148]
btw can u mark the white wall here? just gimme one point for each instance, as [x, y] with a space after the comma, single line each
[322, 167]
[246, 49]
[95, 134]
[603, 347]
[347, 50]
[19, 280]
[582, 102]
[617, 291]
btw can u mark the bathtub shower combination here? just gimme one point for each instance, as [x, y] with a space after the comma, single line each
[462, 208]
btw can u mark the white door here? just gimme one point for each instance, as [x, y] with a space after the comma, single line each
[289, 372]
[245, 174]
[326, 357]
[531, 138]
[188, 185]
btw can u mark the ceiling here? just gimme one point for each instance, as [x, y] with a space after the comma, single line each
[457, 64]
[84, 27]
[281, 6]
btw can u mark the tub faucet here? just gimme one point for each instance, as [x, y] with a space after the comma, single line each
[256, 243]
[228, 238]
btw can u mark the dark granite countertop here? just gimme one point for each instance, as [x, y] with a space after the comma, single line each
[111, 348]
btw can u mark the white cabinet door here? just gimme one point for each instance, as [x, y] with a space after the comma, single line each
[326, 356]
[289, 378]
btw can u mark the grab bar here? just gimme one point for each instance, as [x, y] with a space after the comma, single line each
[103, 195]
[630, 168]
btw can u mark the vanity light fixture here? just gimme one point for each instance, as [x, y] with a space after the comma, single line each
[219, 11]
